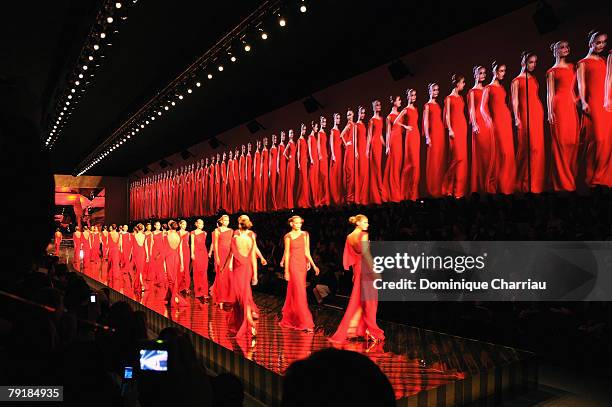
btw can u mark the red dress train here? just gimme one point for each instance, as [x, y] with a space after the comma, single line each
[290, 175]
[376, 148]
[435, 170]
[392, 190]
[222, 287]
[456, 178]
[200, 265]
[483, 150]
[411, 170]
[242, 273]
[296, 314]
[362, 170]
[336, 176]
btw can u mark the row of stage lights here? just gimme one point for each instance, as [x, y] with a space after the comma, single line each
[105, 27]
[192, 78]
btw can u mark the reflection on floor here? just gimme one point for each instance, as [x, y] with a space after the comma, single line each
[423, 366]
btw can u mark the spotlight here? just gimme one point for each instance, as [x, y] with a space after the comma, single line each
[186, 154]
[142, 126]
[181, 97]
[198, 84]
[69, 96]
[96, 47]
[264, 36]
[109, 19]
[399, 70]
[67, 103]
[84, 67]
[146, 122]
[254, 126]
[303, 8]
[220, 68]
[282, 22]
[77, 83]
[166, 107]
[311, 104]
[247, 47]
[159, 113]
[189, 90]
[118, 5]
[80, 76]
[173, 103]
[209, 76]
[102, 35]
[72, 90]
[233, 59]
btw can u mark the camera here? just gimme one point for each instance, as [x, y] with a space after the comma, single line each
[153, 356]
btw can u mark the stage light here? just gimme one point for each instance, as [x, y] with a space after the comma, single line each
[72, 90]
[198, 84]
[180, 97]
[220, 68]
[118, 5]
[133, 134]
[96, 47]
[67, 103]
[69, 96]
[303, 8]
[189, 90]
[233, 59]
[264, 36]
[77, 83]
[146, 122]
[173, 103]
[109, 19]
[90, 58]
[210, 76]
[84, 67]
[159, 113]
[282, 22]
[80, 76]
[102, 35]
[166, 107]
[247, 47]
[142, 126]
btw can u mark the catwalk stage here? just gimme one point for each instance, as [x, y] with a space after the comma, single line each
[425, 368]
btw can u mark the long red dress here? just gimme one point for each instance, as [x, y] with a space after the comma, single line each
[147, 269]
[217, 188]
[222, 288]
[483, 150]
[411, 170]
[200, 264]
[265, 178]
[77, 244]
[57, 241]
[114, 273]
[139, 256]
[364, 297]
[198, 193]
[303, 191]
[273, 204]
[501, 128]
[242, 273]
[281, 187]
[223, 187]
[210, 203]
[530, 153]
[313, 169]
[456, 177]
[296, 314]
[231, 186]
[184, 281]
[257, 182]
[348, 140]
[362, 170]
[564, 130]
[249, 182]
[392, 189]
[126, 254]
[104, 240]
[94, 254]
[242, 187]
[290, 174]
[336, 177]
[376, 167]
[323, 191]
[156, 260]
[596, 125]
[173, 272]
[237, 202]
[86, 247]
[435, 169]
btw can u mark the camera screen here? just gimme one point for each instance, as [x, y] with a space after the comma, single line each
[127, 372]
[154, 359]
[92, 298]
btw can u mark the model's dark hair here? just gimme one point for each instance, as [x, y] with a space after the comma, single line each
[139, 227]
[113, 227]
[392, 98]
[172, 225]
[244, 223]
[456, 78]
[294, 217]
[357, 218]
[476, 68]
[495, 65]
[525, 55]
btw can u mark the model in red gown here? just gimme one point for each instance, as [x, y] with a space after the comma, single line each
[77, 246]
[290, 156]
[362, 167]
[231, 183]
[218, 183]
[242, 188]
[157, 275]
[57, 240]
[242, 263]
[237, 202]
[483, 143]
[94, 244]
[433, 128]
[360, 317]
[296, 260]
[303, 189]
[184, 282]
[141, 255]
[411, 169]
[148, 242]
[265, 175]
[336, 177]
[223, 190]
[222, 239]
[281, 172]
[198, 191]
[257, 181]
[323, 183]
[86, 247]
[392, 189]
[174, 263]
[114, 253]
[249, 178]
[497, 116]
[530, 153]
[104, 239]
[204, 187]
[348, 168]
[199, 255]
[374, 151]
[456, 178]
[596, 119]
[272, 170]
[125, 261]
[314, 173]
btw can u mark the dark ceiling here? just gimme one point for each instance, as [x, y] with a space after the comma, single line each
[333, 41]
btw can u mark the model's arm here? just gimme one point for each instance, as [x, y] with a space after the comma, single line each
[180, 250]
[582, 89]
[310, 152]
[309, 257]
[254, 262]
[400, 118]
[319, 155]
[192, 238]
[550, 95]
[215, 245]
[515, 102]
[367, 255]
[484, 107]
[369, 139]
[447, 117]
[608, 96]
[286, 257]
[299, 152]
[472, 111]
[146, 250]
[331, 146]
[387, 135]
[426, 125]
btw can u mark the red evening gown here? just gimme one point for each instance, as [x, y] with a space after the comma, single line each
[596, 125]
[114, 272]
[564, 131]
[348, 140]
[303, 192]
[483, 150]
[156, 260]
[257, 182]
[210, 202]
[296, 314]
[436, 152]
[231, 186]
[530, 153]
[362, 170]
[376, 167]
[146, 279]
[313, 170]
[281, 193]
[242, 188]
[57, 241]
[86, 247]
[200, 265]
[265, 178]
[290, 175]
[249, 182]
[336, 176]
[139, 262]
[411, 170]
[217, 188]
[237, 202]
[273, 204]
[184, 282]
[242, 273]
[360, 315]
[392, 189]
[173, 272]
[456, 177]
[501, 128]
[104, 239]
[223, 187]
[76, 255]
[323, 191]
[222, 288]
